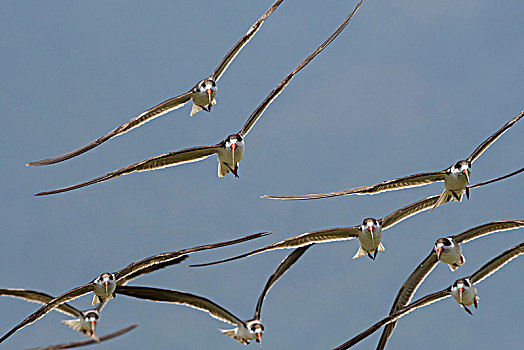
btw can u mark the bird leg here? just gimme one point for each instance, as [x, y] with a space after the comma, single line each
[371, 256]
[467, 192]
[375, 254]
[455, 195]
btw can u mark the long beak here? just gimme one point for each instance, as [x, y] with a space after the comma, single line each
[461, 290]
[259, 338]
[439, 252]
[106, 283]
[370, 229]
[233, 148]
[465, 172]
[93, 333]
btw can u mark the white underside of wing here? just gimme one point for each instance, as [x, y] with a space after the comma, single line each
[418, 307]
[149, 119]
[173, 164]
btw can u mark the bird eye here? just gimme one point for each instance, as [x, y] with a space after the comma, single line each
[239, 138]
[213, 84]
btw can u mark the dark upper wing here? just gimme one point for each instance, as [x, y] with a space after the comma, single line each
[484, 145]
[496, 263]
[163, 108]
[406, 292]
[486, 229]
[281, 269]
[39, 297]
[235, 50]
[497, 179]
[409, 210]
[159, 261]
[305, 239]
[165, 160]
[77, 344]
[173, 296]
[428, 299]
[128, 278]
[72, 294]
[280, 87]
[415, 180]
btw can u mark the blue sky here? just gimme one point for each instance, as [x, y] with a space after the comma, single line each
[407, 87]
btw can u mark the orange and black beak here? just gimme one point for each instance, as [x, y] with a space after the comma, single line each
[461, 290]
[466, 174]
[439, 252]
[106, 283]
[259, 337]
[209, 99]
[370, 229]
[233, 148]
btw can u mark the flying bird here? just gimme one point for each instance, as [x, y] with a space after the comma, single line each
[245, 331]
[85, 322]
[462, 290]
[105, 285]
[449, 251]
[456, 177]
[229, 151]
[89, 341]
[202, 94]
[369, 232]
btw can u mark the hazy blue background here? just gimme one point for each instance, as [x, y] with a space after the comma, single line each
[409, 86]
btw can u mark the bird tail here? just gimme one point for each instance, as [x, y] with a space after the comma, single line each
[196, 108]
[360, 252]
[231, 333]
[444, 198]
[223, 169]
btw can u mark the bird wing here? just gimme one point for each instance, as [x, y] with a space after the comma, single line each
[235, 50]
[428, 299]
[162, 260]
[497, 179]
[156, 111]
[486, 229]
[281, 270]
[414, 180]
[409, 210]
[77, 344]
[406, 293]
[496, 263]
[128, 278]
[280, 87]
[72, 294]
[165, 160]
[40, 298]
[305, 239]
[182, 298]
[489, 141]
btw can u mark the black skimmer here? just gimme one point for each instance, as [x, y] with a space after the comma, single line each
[449, 251]
[105, 285]
[203, 96]
[85, 322]
[89, 341]
[456, 177]
[245, 331]
[230, 151]
[462, 290]
[369, 232]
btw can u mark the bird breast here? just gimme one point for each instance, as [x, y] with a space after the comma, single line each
[368, 243]
[455, 182]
